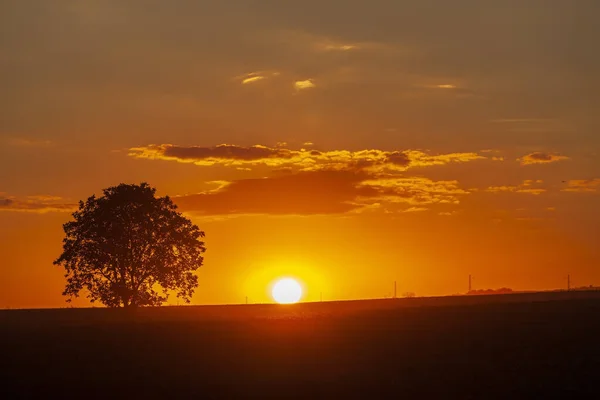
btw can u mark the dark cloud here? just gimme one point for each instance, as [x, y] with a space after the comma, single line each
[583, 185]
[398, 158]
[541, 158]
[227, 152]
[5, 202]
[233, 155]
[36, 204]
[318, 192]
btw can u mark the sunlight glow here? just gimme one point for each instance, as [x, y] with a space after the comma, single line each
[287, 291]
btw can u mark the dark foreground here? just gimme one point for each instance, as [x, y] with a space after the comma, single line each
[513, 346]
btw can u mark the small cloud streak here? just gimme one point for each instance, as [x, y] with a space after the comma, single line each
[305, 84]
[302, 40]
[527, 187]
[541, 158]
[254, 77]
[414, 191]
[583, 185]
[39, 204]
[447, 213]
[331, 46]
[415, 209]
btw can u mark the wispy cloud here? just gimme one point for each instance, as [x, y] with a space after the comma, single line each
[305, 84]
[541, 158]
[413, 190]
[415, 209]
[40, 204]
[324, 44]
[444, 86]
[254, 77]
[447, 213]
[527, 187]
[583, 185]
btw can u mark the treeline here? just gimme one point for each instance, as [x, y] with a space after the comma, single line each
[491, 291]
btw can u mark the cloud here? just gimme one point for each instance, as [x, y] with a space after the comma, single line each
[339, 47]
[40, 204]
[307, 43]
[447, 213]
[527, 187]
[415, 209]
[305, 84]
[310, 181]
[372, 160]
[253, 77]
[421, 159]
[533, 191]
[444, 86]
[499, 189]
[541, 158]
[583, 185]
[320, 192]
[531, 182]
[305, 193]
[413, 190]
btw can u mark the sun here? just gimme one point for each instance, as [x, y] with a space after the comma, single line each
[287, 291]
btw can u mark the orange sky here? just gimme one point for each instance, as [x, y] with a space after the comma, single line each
[346, 143]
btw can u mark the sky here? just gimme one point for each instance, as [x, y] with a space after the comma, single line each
[346, 143]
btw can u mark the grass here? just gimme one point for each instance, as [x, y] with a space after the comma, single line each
[507, 346]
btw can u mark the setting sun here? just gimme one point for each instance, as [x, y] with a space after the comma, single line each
[287, 291]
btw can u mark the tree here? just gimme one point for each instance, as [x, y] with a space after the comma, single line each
[129, 248]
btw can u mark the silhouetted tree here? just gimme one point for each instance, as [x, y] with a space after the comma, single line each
[127, 244]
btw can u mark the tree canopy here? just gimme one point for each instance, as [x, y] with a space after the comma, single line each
[130, 248]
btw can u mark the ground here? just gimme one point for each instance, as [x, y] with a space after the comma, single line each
[505, 346]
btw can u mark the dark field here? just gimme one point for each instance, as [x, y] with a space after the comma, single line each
[508, 346]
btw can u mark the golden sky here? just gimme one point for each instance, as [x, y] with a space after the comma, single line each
[346, 143]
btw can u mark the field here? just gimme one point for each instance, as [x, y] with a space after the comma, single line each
[544, 345]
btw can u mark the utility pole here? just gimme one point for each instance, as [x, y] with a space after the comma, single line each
[321, 295]
[246, 299]
[469, 283]
[568, 282]
[395, 293]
